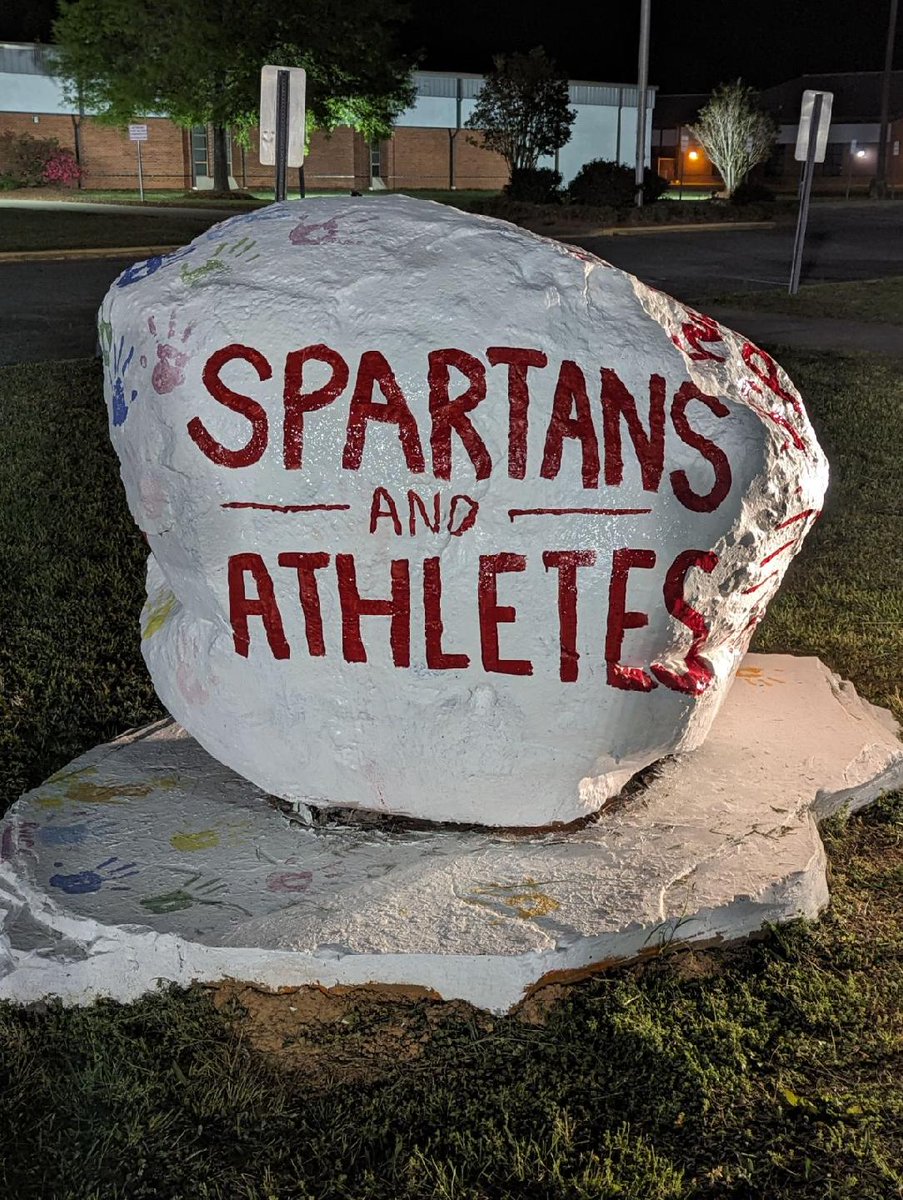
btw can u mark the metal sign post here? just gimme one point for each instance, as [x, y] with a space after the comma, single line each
[138, 134]
[282, 121]
[811, 143]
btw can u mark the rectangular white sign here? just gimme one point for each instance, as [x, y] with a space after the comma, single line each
[137, 133]
[824, 122]
[268, 92]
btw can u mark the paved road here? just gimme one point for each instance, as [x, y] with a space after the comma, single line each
[47, 309]
[855, 241]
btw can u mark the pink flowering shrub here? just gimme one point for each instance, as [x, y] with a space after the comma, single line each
[27, 161]
[62, 169]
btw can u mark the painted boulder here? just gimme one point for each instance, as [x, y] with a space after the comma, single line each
[445, 519]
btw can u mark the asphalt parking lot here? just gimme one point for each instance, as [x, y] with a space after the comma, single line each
[48, 308]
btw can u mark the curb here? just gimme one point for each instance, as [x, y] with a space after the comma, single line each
[134, 252]
[569, 235]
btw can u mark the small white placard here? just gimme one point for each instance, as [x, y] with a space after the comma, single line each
[824, 123]
[137, 133]
[268, 85]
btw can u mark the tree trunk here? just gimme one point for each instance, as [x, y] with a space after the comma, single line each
[220, 159]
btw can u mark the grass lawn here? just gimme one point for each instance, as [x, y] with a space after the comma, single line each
[70, 229]
[866, 300]
[770, 1070]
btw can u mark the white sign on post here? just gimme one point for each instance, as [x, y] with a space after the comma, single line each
[824, 123]
[268, 89]
[137, 133]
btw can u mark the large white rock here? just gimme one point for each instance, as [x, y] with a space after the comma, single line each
[569, 496]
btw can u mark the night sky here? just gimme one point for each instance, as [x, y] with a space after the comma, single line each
[695, 45]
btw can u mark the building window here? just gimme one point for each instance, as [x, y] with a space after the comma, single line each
[201, 152]
[199, 168]
[375, 160]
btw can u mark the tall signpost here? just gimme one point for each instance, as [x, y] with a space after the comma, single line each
[642, 90]
[138, 134]
[811, 143]
[282, 127]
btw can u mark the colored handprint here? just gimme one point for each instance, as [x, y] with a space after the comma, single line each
[74, 834]
[168, 372]
[193, 892]
[224, 255]
[92, 881]
[151, 265]
[120, 364]
[324, 233]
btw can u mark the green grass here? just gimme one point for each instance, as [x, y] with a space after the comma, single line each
[69, 229]
[866, 300]
[770, 1070]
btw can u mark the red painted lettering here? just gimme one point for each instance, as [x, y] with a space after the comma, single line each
[618, 404]
[297, 403]
[570, 394]
[620, 619]
[377, 511]
[448, 414]
[398, 609]
[492, 614]
[566, 562]
[253, 449]
[414, 503]
[306, 565]
[374, 369]
[713, 454]
[242, 606]
[436, 658]
[518, 363]
[467, 521]
[699, 673]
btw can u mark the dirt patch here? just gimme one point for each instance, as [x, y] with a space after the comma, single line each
[342, 1034]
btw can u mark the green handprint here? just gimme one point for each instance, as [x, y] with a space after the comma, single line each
[184, 897]
[219, 261]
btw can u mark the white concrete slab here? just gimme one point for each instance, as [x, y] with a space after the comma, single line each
[146, 861]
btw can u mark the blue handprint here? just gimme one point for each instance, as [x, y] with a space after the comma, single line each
[151, 265]
[119, 406]
[74, 835]
[92, 881]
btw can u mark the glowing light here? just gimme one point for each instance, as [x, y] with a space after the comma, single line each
[860, 154]
[693, 155]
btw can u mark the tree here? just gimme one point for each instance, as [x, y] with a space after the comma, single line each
[522, 109]
[198, 62]
[734, 132]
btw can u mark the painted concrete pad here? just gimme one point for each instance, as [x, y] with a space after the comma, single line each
[146, 861]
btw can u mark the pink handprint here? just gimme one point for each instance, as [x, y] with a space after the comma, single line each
[168, 372]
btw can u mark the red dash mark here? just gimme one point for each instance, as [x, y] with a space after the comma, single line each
[566, 512]
[775, 553]
[799, 517]
[761, 584]
[286, 508]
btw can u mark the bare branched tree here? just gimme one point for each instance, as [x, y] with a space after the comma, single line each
[734, 132]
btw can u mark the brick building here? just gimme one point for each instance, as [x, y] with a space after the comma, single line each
[428, 149]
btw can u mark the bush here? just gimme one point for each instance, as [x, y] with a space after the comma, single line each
[24, 157]
[601, 182]
[534, 185]
[752, 193]
[61, 168]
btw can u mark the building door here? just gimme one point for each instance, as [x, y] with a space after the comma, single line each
[665, 168]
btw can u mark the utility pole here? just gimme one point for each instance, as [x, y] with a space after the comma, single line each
[881, 171]
[642, 88]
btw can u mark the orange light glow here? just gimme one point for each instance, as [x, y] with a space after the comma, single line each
[693, 155]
